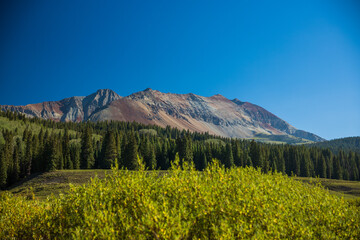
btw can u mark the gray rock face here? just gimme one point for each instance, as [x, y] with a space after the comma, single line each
[73, 109]
[215, 115]
[97, 100]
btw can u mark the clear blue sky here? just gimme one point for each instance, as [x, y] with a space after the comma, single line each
[298, 59]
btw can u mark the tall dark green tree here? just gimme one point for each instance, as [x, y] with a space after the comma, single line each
[3, 169]
[108, 151]
[228, 156]
[338, 171]
[185, 150]
[203, 161]
[87, 159]
[52, 154]
[17, 155]
[6, 158]
[131, 153]
[150, 157]
[273, 161]
[255, 156]
[238, 158]
[75, 156]
[68, 164]
[27, 162]
[305, 164]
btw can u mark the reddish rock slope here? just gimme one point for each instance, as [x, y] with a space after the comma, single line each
[216, 115]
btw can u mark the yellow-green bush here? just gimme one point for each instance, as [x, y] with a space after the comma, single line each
[184, 204]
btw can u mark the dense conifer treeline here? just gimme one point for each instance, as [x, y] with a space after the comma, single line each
[345, 144]
[104, 144]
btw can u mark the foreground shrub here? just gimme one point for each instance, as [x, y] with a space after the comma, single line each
[239, 203]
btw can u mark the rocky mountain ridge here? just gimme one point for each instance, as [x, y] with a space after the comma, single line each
[216, 114]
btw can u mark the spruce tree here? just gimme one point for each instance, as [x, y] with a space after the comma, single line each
[228, 156]
[27, 163]
[15, 174]
[305, 164]
[3, 169]
[273, 160]
[66, 150]
[75, 156]
[203, 161]
[131, 154]
[152, 158]
[238, 158]
[109, 154]
[338, 172]
[255, 155]
[52, 154]
[185, 150]
[118, 148]
[87, 159]
[322, 167]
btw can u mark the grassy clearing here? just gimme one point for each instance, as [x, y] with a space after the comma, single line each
[238, 203]
[280, 139]
[46, 184]
[341, 188]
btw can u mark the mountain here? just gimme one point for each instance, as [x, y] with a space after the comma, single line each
[73, 109]
[215, 115]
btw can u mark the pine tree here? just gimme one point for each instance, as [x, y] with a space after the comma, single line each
[37, 156]
[17, 155]
[109, 154]
[26, 168]
[75, 156]
[273, 160]
[185, 150]
[322, 167]
[255, 155]
[203, 161]
[52, 154]
[238, 158]
[338, 173]
[87, 152]
[354, 172]
[228, 156]
[151, 158]
[6, 158]
[305, 164]
[66, 150]
[118, 148]
[131, 154]
[3, 169]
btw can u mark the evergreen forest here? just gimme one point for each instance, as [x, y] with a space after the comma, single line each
[33, 145]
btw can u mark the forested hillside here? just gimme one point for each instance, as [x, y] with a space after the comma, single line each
[31, 145]
[345, 144]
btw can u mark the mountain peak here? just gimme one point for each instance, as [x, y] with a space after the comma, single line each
[98, 99]
[237, 101]
[216, 114]
[105, 91]
[219, 97]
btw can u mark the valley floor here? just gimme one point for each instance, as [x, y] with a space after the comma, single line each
[56, 182]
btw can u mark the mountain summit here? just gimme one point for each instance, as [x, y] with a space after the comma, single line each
[215, 115]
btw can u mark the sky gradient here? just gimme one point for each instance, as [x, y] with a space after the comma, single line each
[298, 59]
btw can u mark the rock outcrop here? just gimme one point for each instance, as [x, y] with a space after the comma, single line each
[215, 115]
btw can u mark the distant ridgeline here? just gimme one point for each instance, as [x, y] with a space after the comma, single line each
[32, 145]
[345, 144]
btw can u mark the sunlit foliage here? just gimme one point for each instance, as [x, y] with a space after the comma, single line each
[182, 203]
